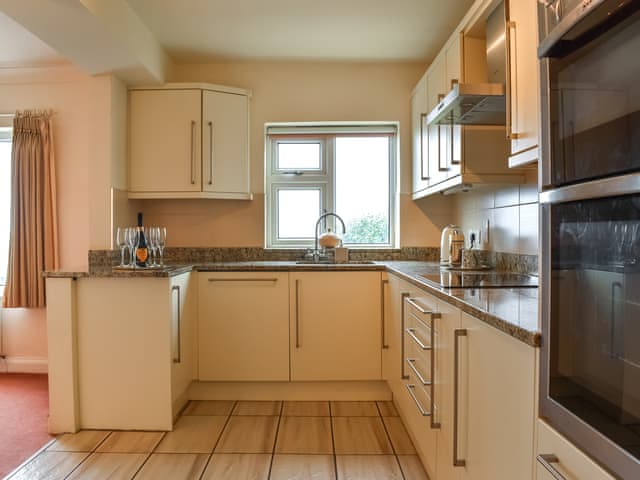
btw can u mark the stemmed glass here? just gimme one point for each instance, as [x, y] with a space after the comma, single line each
[132, 242]
[161, 241]
[153, 245]
[121, 242]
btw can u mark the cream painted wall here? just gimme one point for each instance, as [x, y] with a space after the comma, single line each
[292, 92]
[512, 212]
[82, 135]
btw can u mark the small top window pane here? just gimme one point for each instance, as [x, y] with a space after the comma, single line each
[298, 156]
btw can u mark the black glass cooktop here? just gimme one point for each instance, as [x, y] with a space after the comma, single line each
[480, 279]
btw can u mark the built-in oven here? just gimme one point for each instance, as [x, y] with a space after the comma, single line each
[590, 227]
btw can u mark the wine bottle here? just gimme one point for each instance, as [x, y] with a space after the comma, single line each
[141, 249]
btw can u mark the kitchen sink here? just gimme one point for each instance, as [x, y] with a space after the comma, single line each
[328, 262]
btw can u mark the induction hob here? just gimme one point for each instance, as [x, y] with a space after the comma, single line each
[480, 279]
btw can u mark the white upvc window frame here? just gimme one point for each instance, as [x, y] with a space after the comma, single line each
[324, 178]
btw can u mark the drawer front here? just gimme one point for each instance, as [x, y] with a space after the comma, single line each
[421, 307]
[556, 457]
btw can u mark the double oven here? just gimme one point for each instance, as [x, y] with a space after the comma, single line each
[590, 227]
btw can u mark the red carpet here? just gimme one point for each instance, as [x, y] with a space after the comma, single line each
[24, 408]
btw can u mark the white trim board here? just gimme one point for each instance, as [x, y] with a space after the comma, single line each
[24, 365]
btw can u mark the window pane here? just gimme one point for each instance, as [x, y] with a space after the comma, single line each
[5, 205]
[362, 188]
[298, 211]
[298, 156]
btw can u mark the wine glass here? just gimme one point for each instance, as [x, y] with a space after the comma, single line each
[132, 242]
[152, 244]
[121, 242]
[161, 241]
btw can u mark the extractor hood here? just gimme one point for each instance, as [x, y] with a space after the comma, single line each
[479, 103]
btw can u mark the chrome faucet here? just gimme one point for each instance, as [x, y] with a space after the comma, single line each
[316, 251]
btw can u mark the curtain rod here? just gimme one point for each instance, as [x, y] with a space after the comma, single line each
[9, 115]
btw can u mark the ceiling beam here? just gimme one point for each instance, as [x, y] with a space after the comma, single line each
[99, 36]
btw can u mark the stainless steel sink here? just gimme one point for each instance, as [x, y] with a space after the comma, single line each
[328, 262]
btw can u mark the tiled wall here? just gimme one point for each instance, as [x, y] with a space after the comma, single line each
[512, 212]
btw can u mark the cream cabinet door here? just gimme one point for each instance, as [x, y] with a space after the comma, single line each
[419, 133]
[243, 332]
[335, 325]
[164, 140]
[438, 135]
[496, 403]
[453, 59]
[394, 368]
[225, 134]
[183, 337]
[556, 454]
[523, 75]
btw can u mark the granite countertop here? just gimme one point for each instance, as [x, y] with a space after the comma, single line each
[511, 310]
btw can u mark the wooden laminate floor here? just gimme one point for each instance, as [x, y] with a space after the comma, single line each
[227, 440]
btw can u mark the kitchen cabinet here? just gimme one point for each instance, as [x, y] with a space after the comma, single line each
[393, 357]
[459, 156]
[243, 332]
[486, 418]
[556, 457]
[495, 403]
[523, 83]
[189, 141]
[336, 325]
[419, 134]
[135, 351]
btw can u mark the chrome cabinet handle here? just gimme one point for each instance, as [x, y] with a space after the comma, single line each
[411, 362]
[178, 359]
[403, 297]
[423, 117]
[297, 313]
[432, 352]
[458, 332]
[511, 135]
[193, 151]
[547, 460]
[415, 399]
[242, 279]
[210, 153]
[420, 308]
[382, 305]
[411, 333]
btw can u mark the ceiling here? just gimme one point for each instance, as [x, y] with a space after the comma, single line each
[22, 48]
[200, 31]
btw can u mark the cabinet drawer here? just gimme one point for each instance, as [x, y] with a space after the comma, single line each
[556, 453]
[420, 307]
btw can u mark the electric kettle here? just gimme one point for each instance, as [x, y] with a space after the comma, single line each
[451, 245]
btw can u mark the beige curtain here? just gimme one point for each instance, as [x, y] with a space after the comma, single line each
[33, 246]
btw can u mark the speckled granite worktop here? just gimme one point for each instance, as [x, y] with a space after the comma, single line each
[510, 310]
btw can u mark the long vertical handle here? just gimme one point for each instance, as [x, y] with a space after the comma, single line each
[432, 352]
[547, 460]
[297, 313]
[382, 306]
[403, 297]
[440, 167]
[459, 332]
[210, 153]
[178, 359]
[193, 152]
[423, 117]
[511, 135]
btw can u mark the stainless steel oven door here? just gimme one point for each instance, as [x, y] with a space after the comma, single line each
[590, 93]
[590, 311]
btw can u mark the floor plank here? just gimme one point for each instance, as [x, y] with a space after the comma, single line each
[230, 466]
[368, 467]
[305, 435]
[303, 467]
[109, 466]
[250, 434]
[174, 466]
[192, 435]
[50, 466]
[360, 435]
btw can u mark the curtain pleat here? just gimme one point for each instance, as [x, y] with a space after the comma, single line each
[33, 245]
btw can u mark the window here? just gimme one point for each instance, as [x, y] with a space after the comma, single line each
[5, 201]
[345, 169]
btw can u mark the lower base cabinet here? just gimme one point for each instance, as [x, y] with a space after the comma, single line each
[243, 330]
[556, 457]
[480, 424]
[336, 325]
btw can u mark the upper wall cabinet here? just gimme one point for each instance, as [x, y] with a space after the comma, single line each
[189, 141]
[523, 82]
